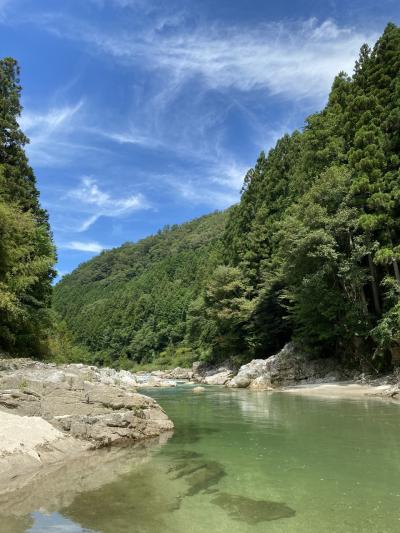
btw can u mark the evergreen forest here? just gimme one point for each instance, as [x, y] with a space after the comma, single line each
[310, 254]
[27, 254]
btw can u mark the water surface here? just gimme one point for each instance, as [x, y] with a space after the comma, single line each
[239, 461]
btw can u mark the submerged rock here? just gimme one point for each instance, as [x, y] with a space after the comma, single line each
[252, 511]
[197, 390]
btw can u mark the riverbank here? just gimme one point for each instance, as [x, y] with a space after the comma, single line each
[344, 389]
[240, 461]
[51, 413]
[292, 371]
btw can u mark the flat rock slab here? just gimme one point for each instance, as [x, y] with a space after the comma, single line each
[73, 400]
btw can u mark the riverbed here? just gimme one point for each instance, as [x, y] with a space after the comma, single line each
[238, 461]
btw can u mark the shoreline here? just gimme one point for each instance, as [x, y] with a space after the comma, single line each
[339, 389]
[50, 414]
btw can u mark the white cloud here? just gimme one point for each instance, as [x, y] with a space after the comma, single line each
[3, 8]
[297, 60]
[87, 223]
[46, 123]
[99, 203]
[292, 60]
[216, 185]
[50, 132]
[120, 3]
[197, 194]
[229, 174]
[223, 68]
[92, 247]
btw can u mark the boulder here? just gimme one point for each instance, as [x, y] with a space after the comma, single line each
[154, 381]
[261, 383]
[197, 390]
[288, 367]
[198, 367]
[248, 373]
[212, 375]
[220, 378]
[180, 373]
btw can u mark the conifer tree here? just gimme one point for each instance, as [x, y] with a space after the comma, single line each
[27, 254]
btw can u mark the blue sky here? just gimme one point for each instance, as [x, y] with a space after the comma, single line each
[144, 113]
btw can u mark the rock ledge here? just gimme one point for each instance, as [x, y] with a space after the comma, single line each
[78, 403]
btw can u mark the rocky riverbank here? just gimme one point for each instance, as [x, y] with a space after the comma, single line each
[48, 412]
[292, 371]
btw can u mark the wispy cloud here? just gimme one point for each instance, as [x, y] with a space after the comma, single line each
[228, 174]
[195, 74]
[216, 185]
[289, 60]
[99, 203]
[294, 59]
[4, 4]
[90, 247]
[43, 124]
[197, 194]
[50, 133]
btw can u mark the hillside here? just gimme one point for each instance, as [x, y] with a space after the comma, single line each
[132, 302]
[315, 239]
[310, 254]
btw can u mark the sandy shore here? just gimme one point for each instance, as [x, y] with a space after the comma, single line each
[344, 389]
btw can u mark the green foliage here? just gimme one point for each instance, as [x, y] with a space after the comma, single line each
[316, 233]
[320, 254]
[27, 254]
[136, 298]
[310, 253]
[216, 324]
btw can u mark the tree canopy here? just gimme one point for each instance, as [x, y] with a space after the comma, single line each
[27, 253]
[310, 253]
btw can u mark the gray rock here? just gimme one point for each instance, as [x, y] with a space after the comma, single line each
[220, 378]
[83, 401]
[179, 373]
[288, 367]
[261, 383]
[248, 373]
[212, 375]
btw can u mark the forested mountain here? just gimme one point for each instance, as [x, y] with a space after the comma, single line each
[27, 254]
[310, 253]
[132, 303]
[316, 236]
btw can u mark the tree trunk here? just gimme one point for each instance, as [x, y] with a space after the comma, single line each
[396, 270]
[364, 301]
[375, 292]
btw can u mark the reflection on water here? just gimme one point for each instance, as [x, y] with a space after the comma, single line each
[57, 486]
[239, 461]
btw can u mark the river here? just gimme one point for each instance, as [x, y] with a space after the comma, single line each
[238, 461]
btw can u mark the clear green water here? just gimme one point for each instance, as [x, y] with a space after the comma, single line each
[239, 461]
